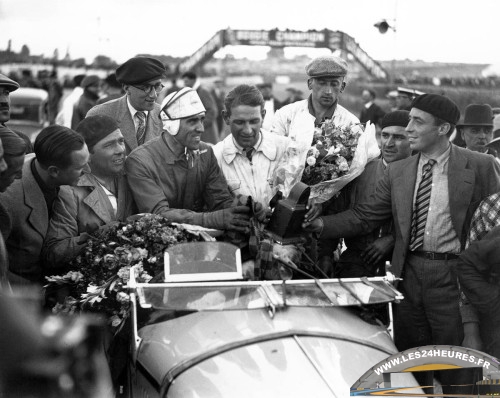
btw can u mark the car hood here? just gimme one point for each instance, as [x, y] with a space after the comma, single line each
[173, 348]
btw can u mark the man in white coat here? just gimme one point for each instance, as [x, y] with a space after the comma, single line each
[249, 155]
[326, 80]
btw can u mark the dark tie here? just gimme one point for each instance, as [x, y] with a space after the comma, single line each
[141, 127]
[421, 209]
[249, 153]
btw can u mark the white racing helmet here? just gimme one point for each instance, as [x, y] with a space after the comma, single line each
[179, 105]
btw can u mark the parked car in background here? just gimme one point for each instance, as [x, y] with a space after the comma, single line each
[28, 111]
[203, 331]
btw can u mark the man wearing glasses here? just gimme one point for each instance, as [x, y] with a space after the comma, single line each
[137, 113]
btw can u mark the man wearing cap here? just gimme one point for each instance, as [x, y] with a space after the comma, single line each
[6, 87]
[177, 176]
[137, 113]
[405, 97]
[326, 81]
[111, 88]
[366, 253]
[271, 104]
[431, 197]
[60, 158]
[101, 197]
[91, 86]
[476, 129]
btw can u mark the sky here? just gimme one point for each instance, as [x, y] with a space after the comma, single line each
[429, 30]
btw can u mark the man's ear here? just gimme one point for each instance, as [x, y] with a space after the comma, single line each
[53, 171]
[309, 83]
[126, 88]
[342, 87]
[263, 113]
[225, 116]
[444, 129]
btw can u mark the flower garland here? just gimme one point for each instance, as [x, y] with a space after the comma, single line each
[97, 276]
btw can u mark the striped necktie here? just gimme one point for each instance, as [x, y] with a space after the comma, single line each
[141, 127]
[421, 209]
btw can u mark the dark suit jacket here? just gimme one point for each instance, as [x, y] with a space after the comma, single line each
[374, 114]
[471, 178]
[118, 110]
[26, 227]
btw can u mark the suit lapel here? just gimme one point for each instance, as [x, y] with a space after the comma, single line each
[97, 203]
[127, 125]
[34, 199]
[153, 124]
[461, 181]
[404, 187]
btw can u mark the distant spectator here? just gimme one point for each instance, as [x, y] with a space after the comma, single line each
[55, 91]
[391, 96]
[91, 86]
[27, 80]
[112, 89]
[271, 104]
[7, 86]
[211, 133]
[371, 111]
[476, 129]
[64, 116]
[293, 96]
[405, 97]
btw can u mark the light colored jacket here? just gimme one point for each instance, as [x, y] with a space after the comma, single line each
[295, 121]
[251, 178]
[78, 210]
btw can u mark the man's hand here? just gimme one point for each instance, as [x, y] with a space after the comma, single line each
[315, 225]
[233, 218]
[472, 338]
[378, 250]
[314, 211]
[261, 213]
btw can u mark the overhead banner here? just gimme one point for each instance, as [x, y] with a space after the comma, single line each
[283, 38]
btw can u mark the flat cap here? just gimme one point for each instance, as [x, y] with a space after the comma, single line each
[327, 66]
[9, 83]
[140, 70]
[395, 118]
[438, 106]
[409, 92]
[89, 80]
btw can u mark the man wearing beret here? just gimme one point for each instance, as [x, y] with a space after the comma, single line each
[326, 81]
[102, 195]
[177, 176]
[6, 87]
[366, 253]
[431, 196]
[137, 113]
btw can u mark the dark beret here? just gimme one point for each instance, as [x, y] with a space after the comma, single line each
[329, 65]
[9, 83]
[438, 106]
[94, 128]
[140, 70]
[395, 118]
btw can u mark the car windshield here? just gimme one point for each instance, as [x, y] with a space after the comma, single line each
[207, 276]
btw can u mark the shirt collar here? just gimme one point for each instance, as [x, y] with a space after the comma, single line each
[264, 145]
[368, 104]
[328, 114]
[440, 159]
[133, 111]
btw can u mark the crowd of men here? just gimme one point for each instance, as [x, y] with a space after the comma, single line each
[428, 205]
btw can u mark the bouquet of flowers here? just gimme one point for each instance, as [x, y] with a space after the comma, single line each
[337, 156]
[97, 276]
